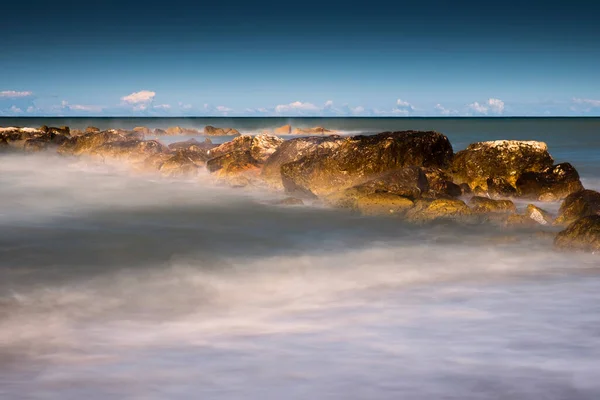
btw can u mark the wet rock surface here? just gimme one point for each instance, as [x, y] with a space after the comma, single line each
[582, 235]
[552, 184]
[577, 205]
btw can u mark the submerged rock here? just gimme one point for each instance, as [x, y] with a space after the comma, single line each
[290, 201]
[383, 204]
[427, 211]
[360, 158]
[317, 130]
[538, 215]
[283, 130]
[212, 131]
[551, 184]
[180, 164]
[577, 205]
[582, 235]
[485, 205]
[504, 159]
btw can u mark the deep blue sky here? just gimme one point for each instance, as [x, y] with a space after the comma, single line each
[300, 58]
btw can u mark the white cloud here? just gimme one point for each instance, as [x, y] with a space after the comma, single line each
[587, 102]
[496, 105]
[81, 107]
[30, 109]
[295, 107]
[492, 105]
[15, 109]
[403, 108]
[162, 106]
[14, 94]
[223, 109]
[144, 96]
[444, 111]
[328, 104]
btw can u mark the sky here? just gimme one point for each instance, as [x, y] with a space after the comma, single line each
[276, 58]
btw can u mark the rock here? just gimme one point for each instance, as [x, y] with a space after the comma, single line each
[440, 184]
[88, 142]
[582, 235]
[519, 220]
[131, 150]
[361, 158]
[174, 130]
[154, 162]
[552, 184]
[505, 159]
[318, 130]
[194, 146]
[290, 201]
[538, 215]
[212, 131]
[292, 150]
[409, 183]
[383, 204]
[427, 211]
[179, 165]
[35, 145]
[263, 146]
[577, 205]
[465, 189]
[283, 130]
[498, 188]
[143, 130]
[486, 205]
[159, 132]
[91, 129]
[231, 165]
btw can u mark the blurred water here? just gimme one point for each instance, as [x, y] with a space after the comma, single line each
[118, 285]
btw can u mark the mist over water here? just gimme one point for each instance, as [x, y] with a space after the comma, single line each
[116, 284]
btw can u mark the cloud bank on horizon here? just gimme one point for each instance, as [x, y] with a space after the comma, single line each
[143, 103]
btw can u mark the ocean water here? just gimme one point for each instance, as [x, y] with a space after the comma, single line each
[119, 285]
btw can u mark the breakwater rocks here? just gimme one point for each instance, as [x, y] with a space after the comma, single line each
[412, 175]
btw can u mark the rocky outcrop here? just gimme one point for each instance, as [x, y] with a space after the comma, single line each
[238, 167]
[181, 164]
[195, 146]
[498, 188]
[360, 158]
[552, 184]
[283, 130]
[292, 150]
[212, 131]
[261, 146]
[582, 235]
[440, 209]
[91, 129]
[87, 142]
[131, 150]
[143, 130]
[500, 159]
[159, 132]
[577, 205]
[383, 204]
[317, 130]
[440, 184]
[484, 205]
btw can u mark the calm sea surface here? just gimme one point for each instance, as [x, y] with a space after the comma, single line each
[115, 285]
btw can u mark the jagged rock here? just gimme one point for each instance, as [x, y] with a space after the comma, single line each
[582, 235]
[440, 184]
[132, 150]
[410, 183]
[552, 184]
[485, 205]
[154, 162]
[91, 129]
[383, 204]
[426, 210]
[180, 164]
[35, 145]
[292, 150]
[360, 158]
[538, 215]
[159, 132]
[195, 146]
[263, 146]
[212, 131]
[143, 130]
[88, 142]
[577, 205]
[505, 159]
[236, 167]
[317, 130]
[498, 188]
[283, 130]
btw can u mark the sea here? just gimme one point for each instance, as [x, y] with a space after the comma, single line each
[120, 285]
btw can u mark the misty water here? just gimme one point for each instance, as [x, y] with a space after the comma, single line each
[120, 285]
